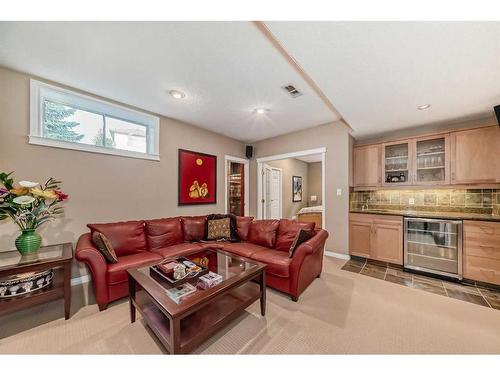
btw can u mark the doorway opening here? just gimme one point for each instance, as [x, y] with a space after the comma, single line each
[237, 185]
[292, 186]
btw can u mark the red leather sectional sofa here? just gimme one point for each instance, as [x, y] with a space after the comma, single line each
[148, 241]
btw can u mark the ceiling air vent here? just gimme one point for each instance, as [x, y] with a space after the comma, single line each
[292, 91]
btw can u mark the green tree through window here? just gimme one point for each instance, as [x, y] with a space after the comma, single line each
[55, 124]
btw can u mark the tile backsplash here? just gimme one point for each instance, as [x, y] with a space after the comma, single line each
[483, 201]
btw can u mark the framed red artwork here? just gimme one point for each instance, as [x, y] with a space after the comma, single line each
[197, 178]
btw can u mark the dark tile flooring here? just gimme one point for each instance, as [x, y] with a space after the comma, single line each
[469, 293]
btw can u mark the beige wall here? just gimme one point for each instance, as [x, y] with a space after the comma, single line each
[292, 167]
[314, 183]
[102, 188]
[335, 137]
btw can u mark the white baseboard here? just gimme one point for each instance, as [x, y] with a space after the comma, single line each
[337, 255]
[80, 280]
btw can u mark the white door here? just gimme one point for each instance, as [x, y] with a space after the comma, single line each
[271, 202]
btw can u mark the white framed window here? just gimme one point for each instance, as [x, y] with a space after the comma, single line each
[66, 119]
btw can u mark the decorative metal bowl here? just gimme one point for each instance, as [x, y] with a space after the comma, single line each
[25, 283]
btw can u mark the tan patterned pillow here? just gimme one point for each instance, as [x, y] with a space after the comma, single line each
[104, 246]
[219, 229]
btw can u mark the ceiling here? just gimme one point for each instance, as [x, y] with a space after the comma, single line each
[377, 73]
[374, 73]
[226, 69]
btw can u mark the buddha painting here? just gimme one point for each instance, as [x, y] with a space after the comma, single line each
[197, 178]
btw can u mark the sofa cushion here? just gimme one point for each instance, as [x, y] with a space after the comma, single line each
[278, 262]
[263, 232]
[243, 226]
[178, 249]
[287, 232]
[126, 237]
[164, 232]
[194, 228]
[244, 249]
[117, 272]
[104, 246]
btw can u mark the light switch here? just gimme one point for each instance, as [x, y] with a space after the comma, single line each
[411, 201]
[339, 191]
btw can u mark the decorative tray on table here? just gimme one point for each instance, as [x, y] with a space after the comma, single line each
[167, 269]
[25, 283]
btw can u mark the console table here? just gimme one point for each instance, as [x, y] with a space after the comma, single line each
[57, 257]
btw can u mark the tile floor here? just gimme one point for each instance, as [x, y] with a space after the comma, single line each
[469, 293]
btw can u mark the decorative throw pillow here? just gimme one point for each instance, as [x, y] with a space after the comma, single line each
[233, 234]
[219, 229]
[302, 236]
[104, 246]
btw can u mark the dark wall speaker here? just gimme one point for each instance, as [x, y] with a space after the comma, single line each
[497, 113]
[249, 152]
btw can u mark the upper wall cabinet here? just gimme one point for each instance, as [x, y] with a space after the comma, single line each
[475, 156]
[466, 157]
[366, 161]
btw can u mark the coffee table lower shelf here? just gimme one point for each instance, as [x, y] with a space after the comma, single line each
[190, 331]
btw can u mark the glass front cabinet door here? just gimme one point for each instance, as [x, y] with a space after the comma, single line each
[431, 162]
[396, 163]
[418, 161]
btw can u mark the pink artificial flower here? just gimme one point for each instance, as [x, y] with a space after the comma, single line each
[61, 196]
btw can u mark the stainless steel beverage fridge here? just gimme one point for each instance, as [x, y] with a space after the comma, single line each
[434, 246]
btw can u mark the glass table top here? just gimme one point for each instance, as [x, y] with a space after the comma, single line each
[46, 254]
[226, 265]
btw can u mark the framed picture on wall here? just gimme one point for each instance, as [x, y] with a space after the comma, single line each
[197, 178]
[296, 189]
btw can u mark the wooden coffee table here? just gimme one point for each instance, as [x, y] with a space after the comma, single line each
[183, 327]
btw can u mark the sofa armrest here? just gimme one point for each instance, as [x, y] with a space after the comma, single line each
[307, 262]
[86, 252]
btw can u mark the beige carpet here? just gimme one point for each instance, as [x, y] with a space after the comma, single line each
[342, 312]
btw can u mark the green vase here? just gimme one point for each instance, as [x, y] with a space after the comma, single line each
[28, 242]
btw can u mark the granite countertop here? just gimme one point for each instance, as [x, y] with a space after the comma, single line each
[430, 214]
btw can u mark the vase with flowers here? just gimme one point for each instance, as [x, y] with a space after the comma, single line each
[29, 205]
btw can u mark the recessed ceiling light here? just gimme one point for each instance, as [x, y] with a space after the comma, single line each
[261, 111]
[177, 94]
[424, 106]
